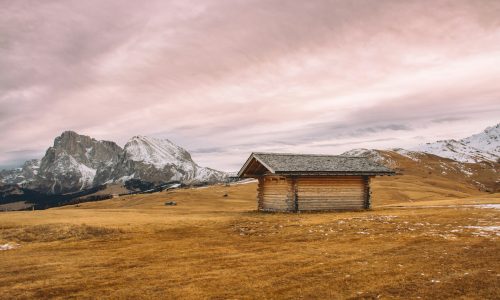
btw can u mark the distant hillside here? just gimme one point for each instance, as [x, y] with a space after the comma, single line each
[429, 177]
[470, 163]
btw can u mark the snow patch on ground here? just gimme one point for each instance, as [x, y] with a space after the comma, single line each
[8, 246]
[409, 154]
[465, 170]
[493, 206]
[485, 231]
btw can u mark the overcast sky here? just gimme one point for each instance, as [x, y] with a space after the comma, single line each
[225, 78]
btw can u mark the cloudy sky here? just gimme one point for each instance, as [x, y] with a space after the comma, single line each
[225, 78]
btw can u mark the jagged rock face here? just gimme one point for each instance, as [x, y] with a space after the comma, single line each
[21, 176]
[94, 154]
[77, 162]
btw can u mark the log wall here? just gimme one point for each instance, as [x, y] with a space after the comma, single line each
[277, 193]
[331, 193]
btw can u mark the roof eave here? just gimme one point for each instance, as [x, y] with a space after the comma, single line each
[264, 164]
[245, 166]
[249, 159]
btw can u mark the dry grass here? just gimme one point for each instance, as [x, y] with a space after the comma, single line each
[55, 232]
[213, 247]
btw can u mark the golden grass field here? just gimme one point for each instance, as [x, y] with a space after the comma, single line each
[416, 243]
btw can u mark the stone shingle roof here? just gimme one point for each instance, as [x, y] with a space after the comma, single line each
[310, 164]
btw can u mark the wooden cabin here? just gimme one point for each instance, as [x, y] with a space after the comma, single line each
[303, 182]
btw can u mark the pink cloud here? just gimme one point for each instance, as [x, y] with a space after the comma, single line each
[238, 76]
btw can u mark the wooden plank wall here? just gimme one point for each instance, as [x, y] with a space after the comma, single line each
[275, 193]
[331, 193]
[278, 193]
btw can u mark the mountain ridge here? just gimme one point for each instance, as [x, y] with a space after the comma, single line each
[483, 146]
[78, 162]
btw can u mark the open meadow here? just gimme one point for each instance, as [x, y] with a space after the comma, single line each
[215, 247]
[250, 149]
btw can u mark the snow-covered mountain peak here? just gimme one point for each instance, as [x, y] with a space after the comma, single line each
[156, 152]
[153, 140]
[167, 158]
[483, 146]
[488, 140]
[493, 130]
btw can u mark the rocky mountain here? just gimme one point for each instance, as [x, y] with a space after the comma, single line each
[75, 162]
[484, 146]
[22, 175]
[78, 162]
[157, 160]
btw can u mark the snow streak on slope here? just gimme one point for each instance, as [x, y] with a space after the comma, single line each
[66, 165]
[371, 153]
[164, 155]
[87, 176]
[156, 152]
